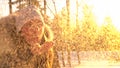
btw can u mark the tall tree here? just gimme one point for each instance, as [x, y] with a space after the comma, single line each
[68, 11]
[77, 25]
[54, 6]
[88, 28]
[45, 3]
[10, 6]
[68, 21]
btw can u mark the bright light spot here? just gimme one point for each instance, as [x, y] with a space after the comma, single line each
[103, 8]
[4, 11]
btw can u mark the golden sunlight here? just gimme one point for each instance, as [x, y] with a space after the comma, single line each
[101, 9]
[104, 8]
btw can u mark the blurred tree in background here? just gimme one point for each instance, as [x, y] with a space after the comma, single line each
[89, 36]
[110, 36]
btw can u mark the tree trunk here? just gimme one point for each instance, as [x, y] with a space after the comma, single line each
[68, 11]
[54, 6]
[68, 21]
[45, 3]
[10, 6]
[77, 24]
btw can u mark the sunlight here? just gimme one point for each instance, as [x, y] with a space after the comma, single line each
[103, 8]
[4, 11]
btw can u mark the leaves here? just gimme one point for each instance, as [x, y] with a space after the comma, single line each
[89, 36]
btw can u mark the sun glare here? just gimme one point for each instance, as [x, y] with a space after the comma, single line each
[101, 9]
[104, 8]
